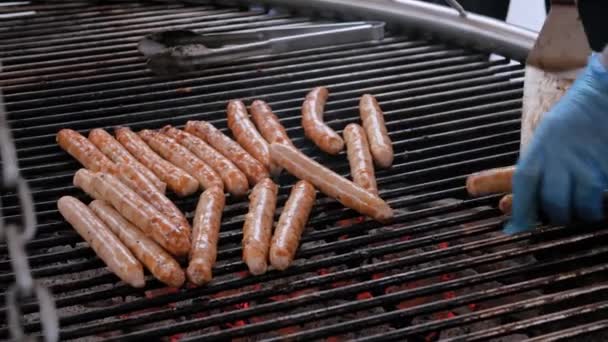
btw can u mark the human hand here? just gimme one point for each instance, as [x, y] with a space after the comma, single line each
[564, 170]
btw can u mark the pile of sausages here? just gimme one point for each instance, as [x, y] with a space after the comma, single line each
[131, 223]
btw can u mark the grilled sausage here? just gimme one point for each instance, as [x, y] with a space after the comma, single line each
[182, 158]
[359, 158]
[144, 188]
[162, 265]
[101, 239]
[106, 143]
[83, 179]
[235, 181]
[205, 235]
[177, 179]
[268, 123]
[491, 181]
[93, 159]
[312, 121]
[330, 183]
[257, 229]
[372, 118]
[506, 204]
[292, 222]
[252, 168]
[84, 151]
[247, 135]
[172, 237]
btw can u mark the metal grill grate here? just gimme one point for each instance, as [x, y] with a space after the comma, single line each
[442, 270]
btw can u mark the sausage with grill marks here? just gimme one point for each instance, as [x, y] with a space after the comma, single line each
[268, 123]
[162, 265]
[181, 157]
[312, 121]
[251, 167]
[235, 181]
[106, 143]
[93, 159]
[205, 235]
[101, 239]
[292, 222]
[359, 158]
[177, 179]
[84, 151]
[172, 237]
[257, 229]
[372, 118]
[330, 183]
[491, 181]
[247, 135]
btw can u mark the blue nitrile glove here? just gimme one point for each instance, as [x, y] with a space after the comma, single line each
[564, 170]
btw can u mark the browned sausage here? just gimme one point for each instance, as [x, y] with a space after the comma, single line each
[330, 183]
[506, 204]
[257, 229]
[491, 181]
[359, 158]
[312, 120]
[247, 135]
[268, 123]
[253, 169]
[292, 222]
[106, 143]
[144, 188]
[172, 237]
[101, 239]
[162, 265]
[84, 151]
[182, 158]
[177, 179]
[372, 118]
[235, 181]
[205, 235]
[89, 156]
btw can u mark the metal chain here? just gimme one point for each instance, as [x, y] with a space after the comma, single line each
[16, 238]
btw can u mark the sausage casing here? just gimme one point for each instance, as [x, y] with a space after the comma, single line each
[359, 158]
[177, 179]
[84, 151]
[506, 204]
[268, 123]
[106, 143]
[172, 237]
[162, 265]
[491, 181]
[181, 157]
[101, 239]
[330, 183]
[372, 118]
[292, 222]
[144, 188]
[235, 181]
[205, 235]
[251, 167]
[257, 229]
[247, 135]
[88, 155]
[315, 128]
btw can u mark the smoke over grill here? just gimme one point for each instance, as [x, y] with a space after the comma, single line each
[442, 270]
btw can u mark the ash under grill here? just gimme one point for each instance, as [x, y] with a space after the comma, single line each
[442, 270]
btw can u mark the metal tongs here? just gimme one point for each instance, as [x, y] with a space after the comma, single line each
[182, 50]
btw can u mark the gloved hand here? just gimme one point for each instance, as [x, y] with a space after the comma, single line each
[564, 170]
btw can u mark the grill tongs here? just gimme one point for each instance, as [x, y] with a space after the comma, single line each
[182, 50]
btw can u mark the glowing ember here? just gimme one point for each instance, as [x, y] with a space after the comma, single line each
[365, 295]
